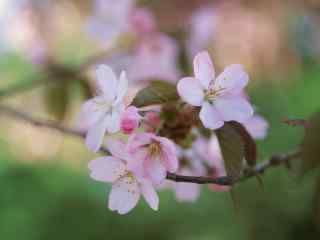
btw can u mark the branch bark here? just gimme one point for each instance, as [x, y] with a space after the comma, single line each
[282, 159]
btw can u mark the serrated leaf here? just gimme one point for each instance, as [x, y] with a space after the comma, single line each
[232, 149]
[157, 92]
[311, 144]
[250, 147]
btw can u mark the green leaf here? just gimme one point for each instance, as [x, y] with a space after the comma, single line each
[232, 148]
[311, 144]
[157, 92]
[250, 147]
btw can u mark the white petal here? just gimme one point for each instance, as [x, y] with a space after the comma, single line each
[117, 148]
[124, 195]
[156, 170]
[89, 113]
[210, 117]
[149, 194]
[203, 69]
[190, 91]
[95, 134]
[107, 169]
[107, 81]
[233, 79]
[122, 88]
[234, 108]
[114, 122]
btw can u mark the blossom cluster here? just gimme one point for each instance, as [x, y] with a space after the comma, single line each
[141, 153]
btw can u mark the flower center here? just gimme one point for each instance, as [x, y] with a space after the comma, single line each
[213, 93]
[154, 149]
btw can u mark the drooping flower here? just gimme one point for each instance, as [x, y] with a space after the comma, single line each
[110, 19]
[257, 126]
[130, 120]
[102, 113]
[152, 156]
[219, 98]
[126, 186]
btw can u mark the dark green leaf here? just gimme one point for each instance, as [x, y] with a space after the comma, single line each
[232, 148]
[157, 92]
[250, 147]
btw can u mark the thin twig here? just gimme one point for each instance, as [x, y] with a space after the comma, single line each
[274, 161]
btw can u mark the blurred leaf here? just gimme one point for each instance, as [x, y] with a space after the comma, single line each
[57, 98]
[232, 148]
[250, 148]
[157, 92]
[311, 144]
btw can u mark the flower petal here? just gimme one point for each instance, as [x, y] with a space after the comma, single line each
[89, 113]
[233, 79]
[96, 132]
[155, 170]
[124, 195]
[257, 127]
[210, 117]
[234, 108]
[122, 88]
[114, 122]
[186, 192]
[203, 69]
[169, 156]
[149, 194]
[107, 169]
[107, 81]
[190, 91]
[117, 148]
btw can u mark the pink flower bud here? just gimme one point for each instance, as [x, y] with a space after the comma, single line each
[153, 120]
[130, 120]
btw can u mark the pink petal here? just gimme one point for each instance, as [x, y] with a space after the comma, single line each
[234, 108]
[233, 79]
[95, 135]
[257, 126]
[190, 91]
[124, 195]
[210, 117]
[107, 81]
[203, 69]
[169, 154]
[89, 113]
[136, 162]
[155, 170]
[107, 169]
[138, 140]
[149, 194]
[186, 192]
[117, 148]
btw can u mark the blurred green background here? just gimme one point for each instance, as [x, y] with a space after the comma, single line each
[46, 192]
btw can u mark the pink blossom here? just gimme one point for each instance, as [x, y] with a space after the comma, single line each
[142, 22]
[126, 186]
[153, 121]
[151, 156]
[186, 192]
[257, 126]
[155, 59]
[130, 120]
[218, 98]
[110, 19]
[102, 113]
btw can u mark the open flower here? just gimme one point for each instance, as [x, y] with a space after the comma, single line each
[152, 156]
[220, 99]
[102, 113]
[126, 187]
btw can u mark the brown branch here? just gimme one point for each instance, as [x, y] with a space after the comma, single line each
[274, 161]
